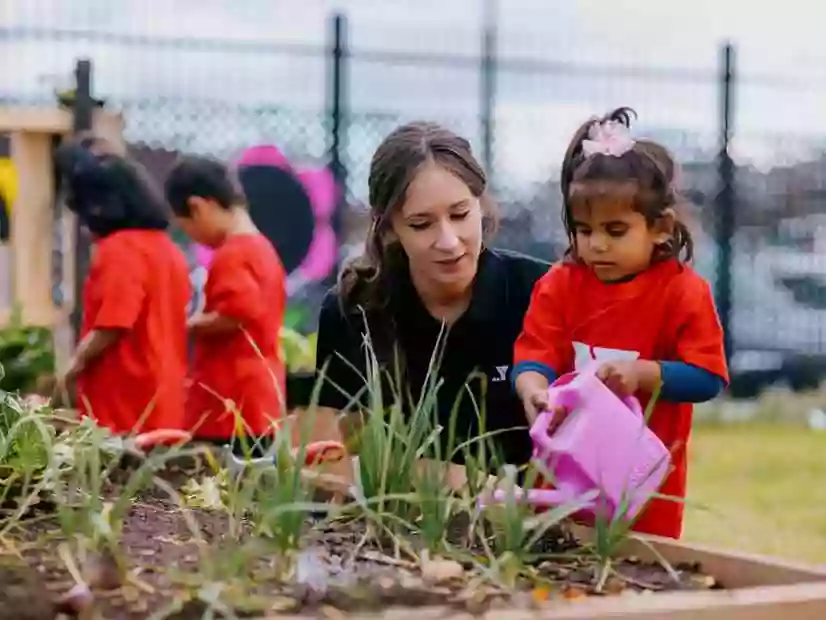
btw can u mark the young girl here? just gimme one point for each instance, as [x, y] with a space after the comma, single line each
[626, 298]
[130, 365]
[236, 367]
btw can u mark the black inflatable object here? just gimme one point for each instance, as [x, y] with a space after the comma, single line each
[280, 207]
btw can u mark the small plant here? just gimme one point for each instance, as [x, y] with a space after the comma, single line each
[516, 528]
[393, 440]
[282, 497]
[297, 351]
[91, 504]
[26, 354]
[26, 452]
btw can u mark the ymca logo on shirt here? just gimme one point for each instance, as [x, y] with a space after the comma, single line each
[500, 374]
[585, 354]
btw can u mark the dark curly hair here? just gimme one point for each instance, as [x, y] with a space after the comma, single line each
[107, 190]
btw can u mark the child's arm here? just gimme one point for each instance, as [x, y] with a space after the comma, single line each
[211, 323]
[541, 347]
[92, 345]
[699, 372]
[686, 383]
[532, 389]
[678, 382]
[116, 277]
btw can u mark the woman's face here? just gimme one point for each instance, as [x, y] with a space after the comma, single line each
[439, 227]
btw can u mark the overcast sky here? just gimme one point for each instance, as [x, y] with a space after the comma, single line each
[537, 112]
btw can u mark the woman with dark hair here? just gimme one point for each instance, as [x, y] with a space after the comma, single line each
[426, 270]
[130, 365]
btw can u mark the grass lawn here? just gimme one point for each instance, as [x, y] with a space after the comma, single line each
[758, 488]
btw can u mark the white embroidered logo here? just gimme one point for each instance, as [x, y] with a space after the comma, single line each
[584, 354]
[501, 374]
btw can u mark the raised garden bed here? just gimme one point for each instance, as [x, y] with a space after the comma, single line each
[90, 525]
[335, 578]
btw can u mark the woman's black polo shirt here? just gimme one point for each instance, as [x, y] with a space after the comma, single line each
[481, 341]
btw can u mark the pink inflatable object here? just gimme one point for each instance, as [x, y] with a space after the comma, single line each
[322, 189]
[603, 445]
[322, 254]
[263, 155]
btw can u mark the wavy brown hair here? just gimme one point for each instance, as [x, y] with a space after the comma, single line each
[371, 281]
[648, 167]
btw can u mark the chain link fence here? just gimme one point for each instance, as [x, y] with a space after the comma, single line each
[328, 103]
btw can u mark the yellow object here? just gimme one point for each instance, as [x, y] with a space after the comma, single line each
[8, 183]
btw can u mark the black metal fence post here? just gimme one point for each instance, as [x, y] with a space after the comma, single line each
[726, 203]
[487, 90]
[337, 96]
[83, 111]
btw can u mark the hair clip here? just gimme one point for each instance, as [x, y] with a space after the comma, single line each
[609, 138]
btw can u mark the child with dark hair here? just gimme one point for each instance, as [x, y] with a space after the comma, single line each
[625, 297]
[130, 365]
[236, 367]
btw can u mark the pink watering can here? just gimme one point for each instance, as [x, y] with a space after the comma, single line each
[603, 445]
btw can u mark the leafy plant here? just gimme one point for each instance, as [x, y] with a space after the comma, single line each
[26, 354]
[517, 528]
[26, 442]
[394, 438]
[297, 350]
[282, 497]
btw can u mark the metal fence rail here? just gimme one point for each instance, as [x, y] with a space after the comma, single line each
[331, 104]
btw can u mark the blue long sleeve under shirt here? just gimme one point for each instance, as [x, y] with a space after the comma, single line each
[681, 382]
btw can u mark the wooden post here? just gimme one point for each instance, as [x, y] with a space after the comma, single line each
[31, 225]
[32, 132]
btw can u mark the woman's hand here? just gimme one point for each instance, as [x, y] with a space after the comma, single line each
[627, 378]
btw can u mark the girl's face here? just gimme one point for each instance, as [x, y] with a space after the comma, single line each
[615, 240]
[439, 226]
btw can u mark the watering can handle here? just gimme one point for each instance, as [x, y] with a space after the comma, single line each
[591, 368]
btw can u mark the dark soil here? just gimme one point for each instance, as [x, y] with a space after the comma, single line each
[340, 571]
[163, 560]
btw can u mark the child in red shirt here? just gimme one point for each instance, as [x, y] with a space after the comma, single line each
[130, 364]
[236, 366]
[624, 296]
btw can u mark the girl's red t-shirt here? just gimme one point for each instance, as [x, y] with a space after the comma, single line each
[138, 282]
[241, 371]
[664, 313]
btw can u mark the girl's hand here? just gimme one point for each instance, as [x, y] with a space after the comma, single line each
[558, 415]
[536, 402]
[628, 378]
[621, 378]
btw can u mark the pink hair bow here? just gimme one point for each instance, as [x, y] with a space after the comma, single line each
[608, 138]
